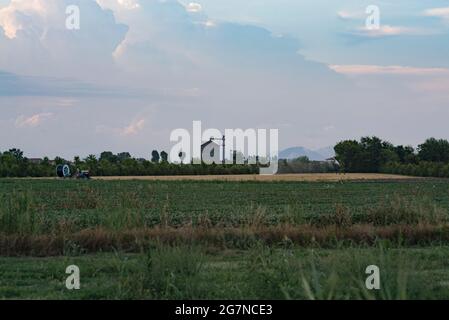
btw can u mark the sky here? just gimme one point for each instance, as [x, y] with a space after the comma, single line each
[138, 69]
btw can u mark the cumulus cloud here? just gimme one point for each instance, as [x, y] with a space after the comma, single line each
[156, 43]
[167, 47]
[36, 41]
[241, 75]
[32, 121]
[21, 15]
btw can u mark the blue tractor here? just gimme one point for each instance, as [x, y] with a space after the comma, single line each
[63, 171]
[83, 174]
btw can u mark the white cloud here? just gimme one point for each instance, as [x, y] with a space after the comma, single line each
[387, 30]
[438, 12]
[356, 70]
[37, 41]
[9, 23]
[117, 5]
[33, 121]
[28, 14]
[194, 7]
[347, 15]
[134, 128]
[210, 24]
[242, 75]
[129, 4]
[66, 102]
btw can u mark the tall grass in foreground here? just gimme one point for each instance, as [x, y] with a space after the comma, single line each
[17, 215]
[267, 273]
[163, 273]
[312, 275]
[260, 272]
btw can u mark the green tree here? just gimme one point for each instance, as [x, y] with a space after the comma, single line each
[405, 154]
[108, 156]
[77, 161]
[155, 158]
[59, 160]
[434, 150]
[164, 156]
[91, 163]
[303, 159]
[123, 156]
[16, 153]
[375, 153]
[349, 154]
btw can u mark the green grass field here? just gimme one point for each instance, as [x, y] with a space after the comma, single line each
[224, 240]
[256, 273]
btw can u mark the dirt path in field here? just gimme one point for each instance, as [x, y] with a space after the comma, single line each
[280, 177]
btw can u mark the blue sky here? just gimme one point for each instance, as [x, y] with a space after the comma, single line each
[325, 36]
[138, 69]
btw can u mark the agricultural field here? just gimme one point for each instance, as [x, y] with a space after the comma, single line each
[186, 239]
[299, 177]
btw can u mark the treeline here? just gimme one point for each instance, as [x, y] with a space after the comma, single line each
[14, 164]
[422, 169]
[371, 154]
[123, 164]
[305, 165]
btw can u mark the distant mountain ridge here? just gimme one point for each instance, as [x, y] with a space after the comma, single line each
[314, 155]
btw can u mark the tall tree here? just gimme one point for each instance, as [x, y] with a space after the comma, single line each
[405, 154]
[164, 156]
[16, 153]
[108, 156]
[155, 156]
[434, 150]
[77, 161]
[349, 154]
[123, 156]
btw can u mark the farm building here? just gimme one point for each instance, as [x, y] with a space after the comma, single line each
[210, 152]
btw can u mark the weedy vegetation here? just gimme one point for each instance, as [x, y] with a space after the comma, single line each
[224, 240]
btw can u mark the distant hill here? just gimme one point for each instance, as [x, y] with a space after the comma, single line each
[314, 155]
[327, 152]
